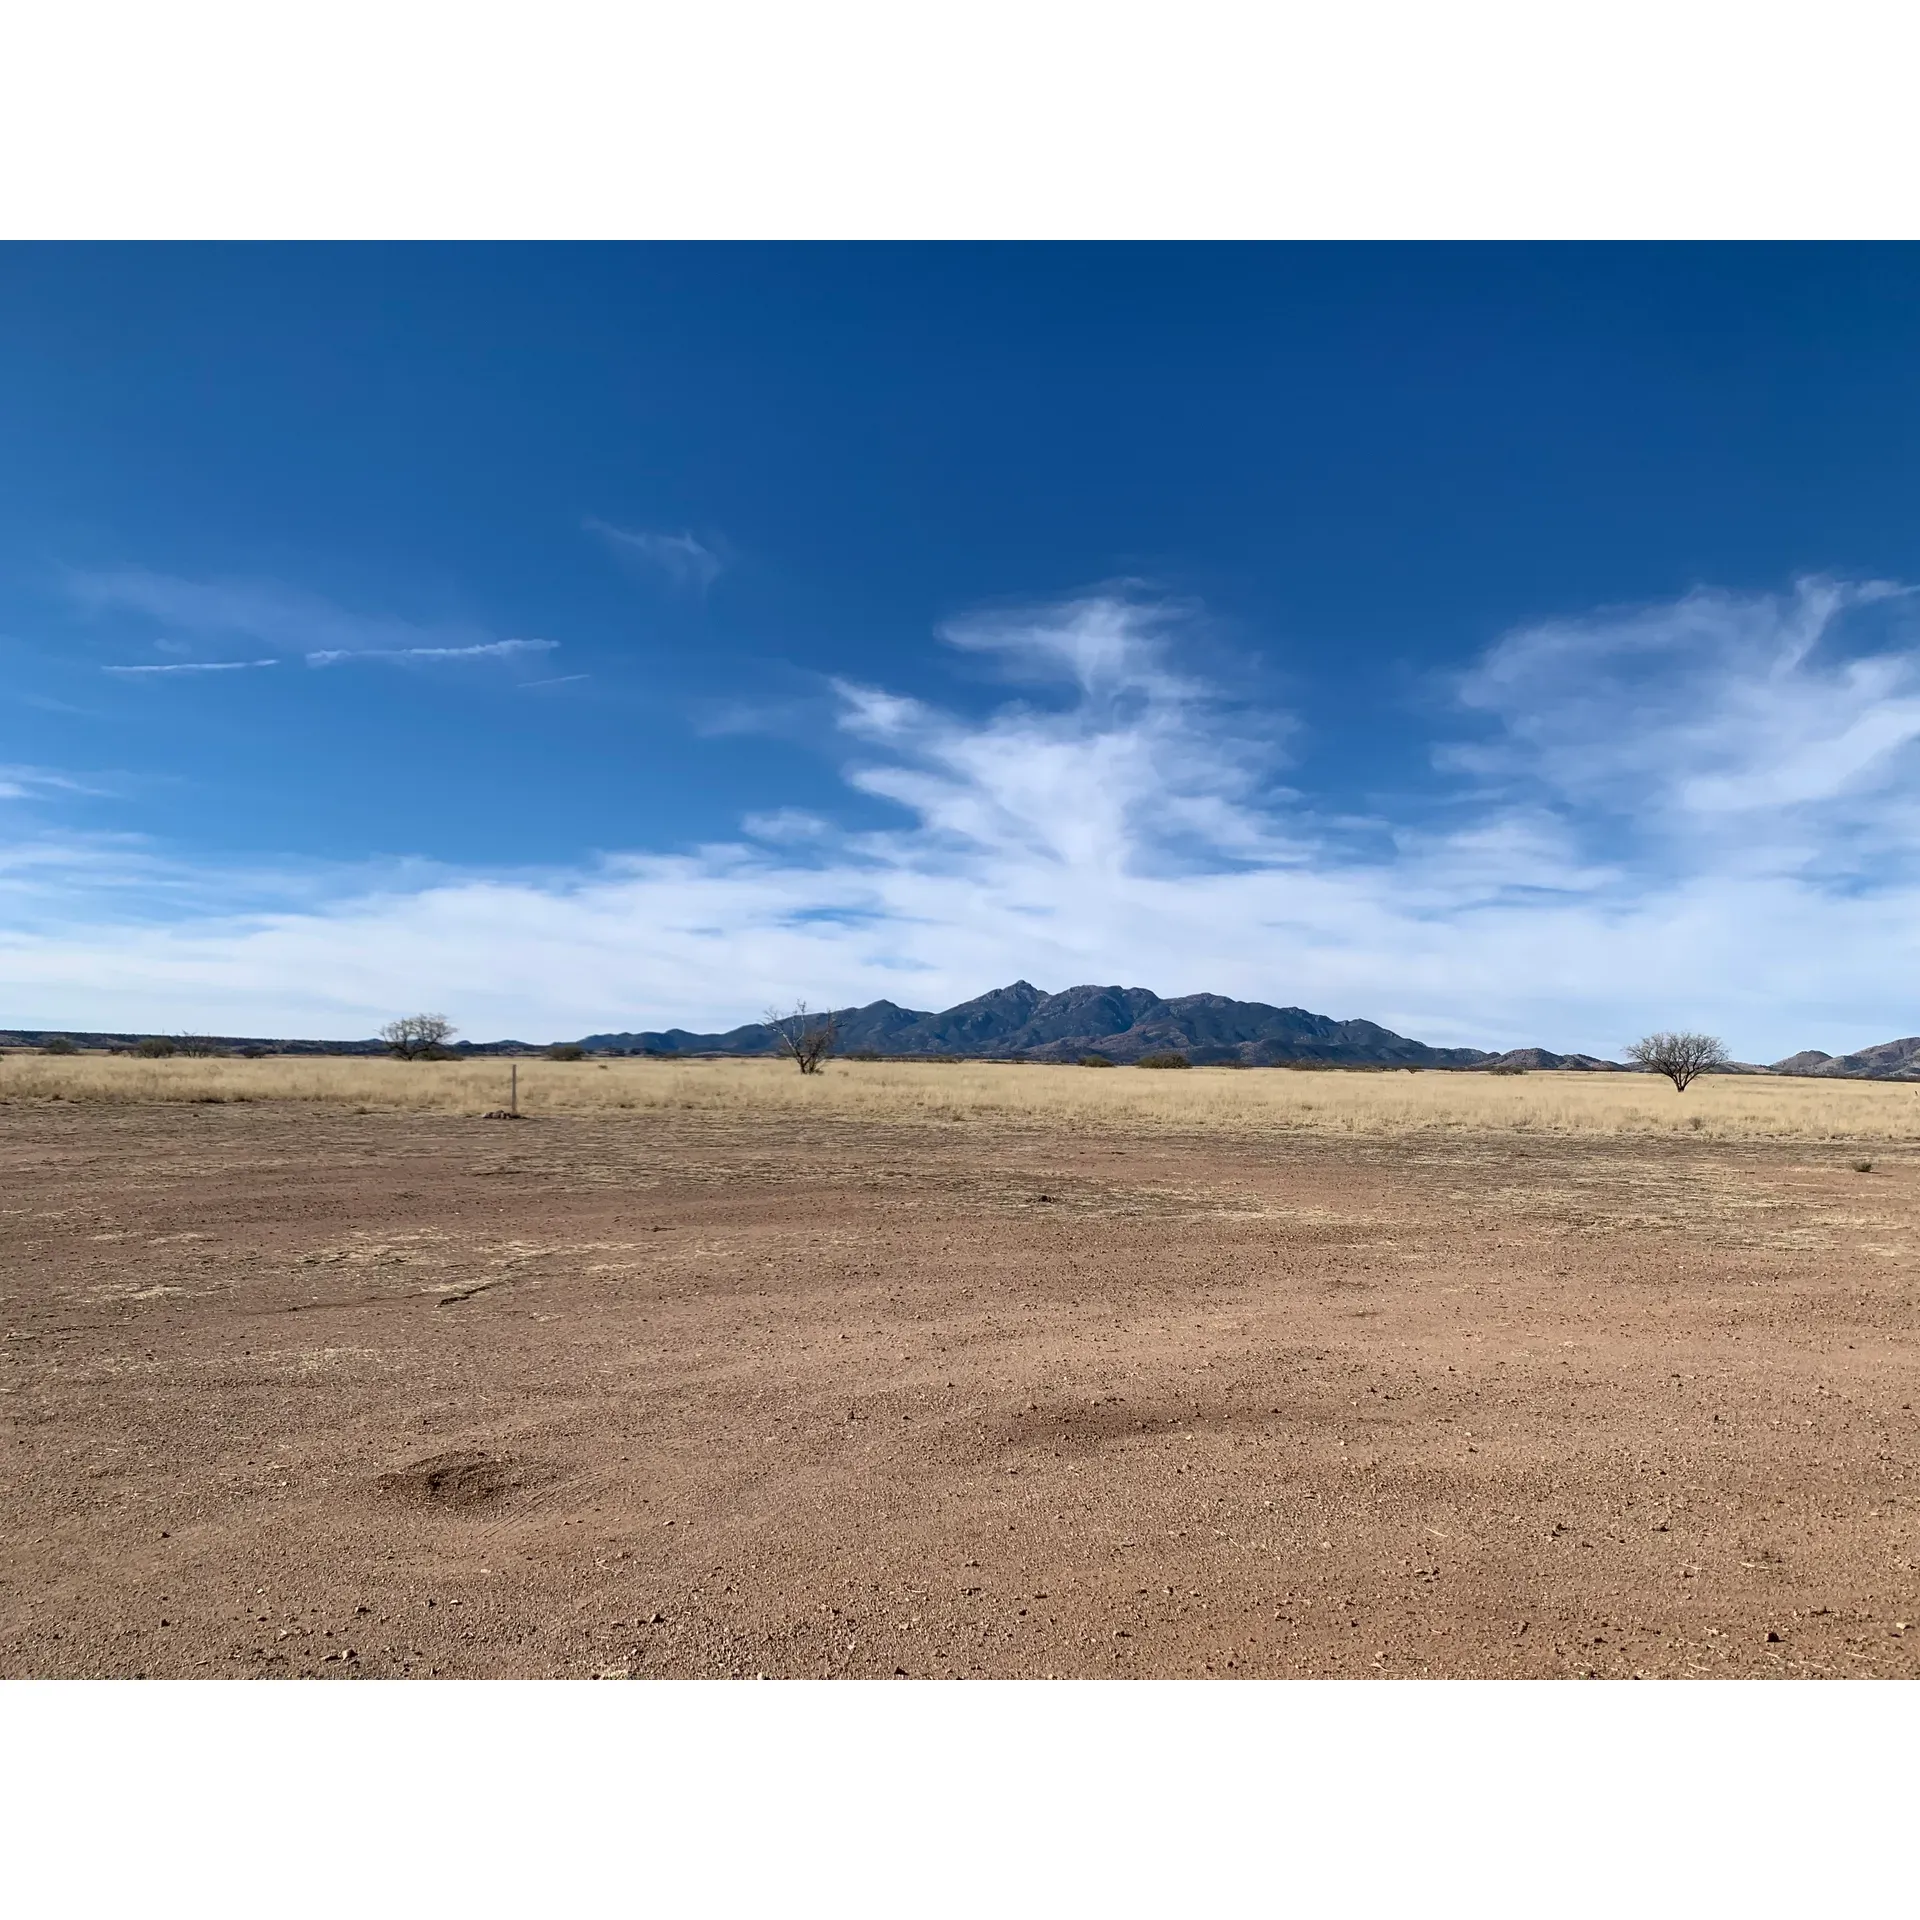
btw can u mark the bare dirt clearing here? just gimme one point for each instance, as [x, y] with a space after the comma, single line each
[738, 1389]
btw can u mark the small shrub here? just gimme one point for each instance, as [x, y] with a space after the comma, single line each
[864, 1053]
[59, 1043]
[1506, 1067]
[1863, 1166]
[253, 1053]
[156, 1046]
[1096, 1060]
[1163, 1060]
[568, 1052]
[197, 1046]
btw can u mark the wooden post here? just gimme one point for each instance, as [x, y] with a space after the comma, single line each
[513, 1097]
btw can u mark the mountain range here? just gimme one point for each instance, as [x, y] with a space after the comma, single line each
[1120, 1024]
[1123, 1023]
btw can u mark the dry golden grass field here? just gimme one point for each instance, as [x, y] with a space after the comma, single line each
[1218, 1100]
[707, 1369]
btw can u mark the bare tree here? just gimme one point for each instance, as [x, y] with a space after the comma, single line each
[420, 1036]
[1682, 1057]
[802, 1037]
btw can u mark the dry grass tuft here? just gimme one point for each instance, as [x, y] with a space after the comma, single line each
[1205, 1100]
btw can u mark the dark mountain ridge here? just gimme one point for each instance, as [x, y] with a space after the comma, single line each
[1123, 1023]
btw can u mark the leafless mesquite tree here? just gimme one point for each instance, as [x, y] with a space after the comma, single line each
[1680, 1056]
[800, 1036]
[419, 1036]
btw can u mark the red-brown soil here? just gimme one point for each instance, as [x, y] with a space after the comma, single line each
[291, 1390]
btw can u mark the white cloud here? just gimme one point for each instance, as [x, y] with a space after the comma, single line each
[484, 650]
[260, 610]
[1715, 707]
[1122, 822]
[195, 666]
[684, 560]
[324, 634]
[26, 783]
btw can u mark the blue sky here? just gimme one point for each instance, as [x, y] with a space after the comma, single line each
[1511, 644]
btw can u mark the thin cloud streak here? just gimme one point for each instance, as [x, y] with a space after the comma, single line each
[195, 666]
[484, 650]
[26, 783]
[1125, 825]
[685, 561]
[259, 610]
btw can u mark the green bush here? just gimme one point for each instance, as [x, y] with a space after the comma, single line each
[59, 1043]
[1095, 1060]
[1163, 1060]
[568, 1052]
[156, 1046]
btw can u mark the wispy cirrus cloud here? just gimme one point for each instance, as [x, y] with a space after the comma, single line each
[260, 610]
[1776, 731]
[27, 783]
[682, 559]
[483, 650]
[193, 666]
[307, 626]
[1120, 819]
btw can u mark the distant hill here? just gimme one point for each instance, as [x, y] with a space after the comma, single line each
[1120, 1022]
[242, 1043]
[1891, 1060]
[1539, 1060]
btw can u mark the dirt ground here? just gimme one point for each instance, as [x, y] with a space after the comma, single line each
[292, 1390]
